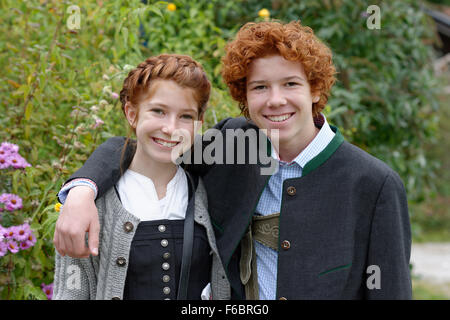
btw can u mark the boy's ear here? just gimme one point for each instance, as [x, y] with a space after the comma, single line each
[131, 113]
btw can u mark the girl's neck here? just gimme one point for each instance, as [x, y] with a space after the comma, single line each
[160, 173]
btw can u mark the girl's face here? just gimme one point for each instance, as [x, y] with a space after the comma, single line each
[165, 121]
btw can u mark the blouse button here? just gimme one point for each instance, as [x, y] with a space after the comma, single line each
[128, 226]
[162, 228]
[164, 243]
[165, 266]
[121, 261]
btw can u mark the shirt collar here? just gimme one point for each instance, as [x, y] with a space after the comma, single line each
[320, 142]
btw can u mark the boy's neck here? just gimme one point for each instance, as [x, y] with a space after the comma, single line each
[289, 150]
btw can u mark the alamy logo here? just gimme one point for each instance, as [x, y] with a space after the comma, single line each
[374, 20]
[73, 21]
[73, 281]
[374, 280]
[241, 147]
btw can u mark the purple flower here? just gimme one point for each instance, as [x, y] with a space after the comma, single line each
[8, 148]
[10, 233]
[364, 14]
[3, 248]
[4, 161]
[114, 95]
[18, 162]
[25, 245]
[48, 290]
[23, 231]
[12, 246]
[98, 122]
[12, 202]
[31, 240]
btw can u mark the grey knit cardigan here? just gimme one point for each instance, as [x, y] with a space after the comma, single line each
[101, 278]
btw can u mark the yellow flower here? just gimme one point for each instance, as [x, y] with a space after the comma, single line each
[264, 13]
[171, 7]
[58, 207]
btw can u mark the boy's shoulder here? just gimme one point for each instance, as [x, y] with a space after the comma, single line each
[360, 161]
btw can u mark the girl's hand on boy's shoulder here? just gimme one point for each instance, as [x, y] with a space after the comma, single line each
[78, 216]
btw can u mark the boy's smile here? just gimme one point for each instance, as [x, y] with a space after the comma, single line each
[279, 97]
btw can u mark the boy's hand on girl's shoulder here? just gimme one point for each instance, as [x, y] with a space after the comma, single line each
[78, 216]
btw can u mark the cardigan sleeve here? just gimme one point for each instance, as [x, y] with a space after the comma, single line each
[74, 279]
[103, 165]
[387, 269]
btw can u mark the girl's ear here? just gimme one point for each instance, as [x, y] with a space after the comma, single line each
[131, 113]
[315, 98]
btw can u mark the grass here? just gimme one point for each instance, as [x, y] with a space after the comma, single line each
[424, 290]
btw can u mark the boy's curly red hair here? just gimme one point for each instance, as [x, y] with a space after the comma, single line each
[293, 42]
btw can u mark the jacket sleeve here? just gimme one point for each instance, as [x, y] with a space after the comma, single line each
[388, 272]
[104, 165]
[74, 279]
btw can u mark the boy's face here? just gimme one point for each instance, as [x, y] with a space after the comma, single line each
[279, 97]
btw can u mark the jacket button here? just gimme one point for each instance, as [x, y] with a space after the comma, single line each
[121, 261]
[128, 226]
[164, 243]
[161, 228]
[282, 298]
[285, 245]
[165, 266]
[115, 298]
[291, 191]
[166, 255]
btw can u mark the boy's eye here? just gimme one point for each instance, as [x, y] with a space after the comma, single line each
[261, 87]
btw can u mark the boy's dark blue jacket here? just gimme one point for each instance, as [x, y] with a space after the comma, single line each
[346, 219]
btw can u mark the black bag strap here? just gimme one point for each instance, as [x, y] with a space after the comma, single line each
[188, 242]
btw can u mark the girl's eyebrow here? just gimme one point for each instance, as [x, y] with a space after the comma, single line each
[162, 105]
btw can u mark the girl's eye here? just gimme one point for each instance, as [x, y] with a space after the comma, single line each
[158, 111]
[187, 116]
[291, 84]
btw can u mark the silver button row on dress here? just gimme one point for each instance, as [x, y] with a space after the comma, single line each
[165, 265]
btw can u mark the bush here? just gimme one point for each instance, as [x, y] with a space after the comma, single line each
[59, 90]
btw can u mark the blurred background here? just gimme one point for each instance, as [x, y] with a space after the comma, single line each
[63, 64]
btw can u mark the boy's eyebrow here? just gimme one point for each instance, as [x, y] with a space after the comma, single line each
[282, 79]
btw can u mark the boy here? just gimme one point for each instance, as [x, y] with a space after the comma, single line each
[331, 223]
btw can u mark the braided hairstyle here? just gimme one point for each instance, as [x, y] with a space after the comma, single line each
[182, 69]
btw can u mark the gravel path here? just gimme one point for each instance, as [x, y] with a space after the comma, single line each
[431, 261]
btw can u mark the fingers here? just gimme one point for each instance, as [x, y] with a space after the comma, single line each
[57, 243]
[94, 230]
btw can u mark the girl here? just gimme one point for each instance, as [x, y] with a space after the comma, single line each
[150, 247]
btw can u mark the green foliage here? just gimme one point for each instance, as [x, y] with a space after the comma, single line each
[56, 84]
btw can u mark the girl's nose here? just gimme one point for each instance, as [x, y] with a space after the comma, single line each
[169, 125]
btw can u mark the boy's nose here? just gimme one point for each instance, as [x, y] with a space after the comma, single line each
[276, 98]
